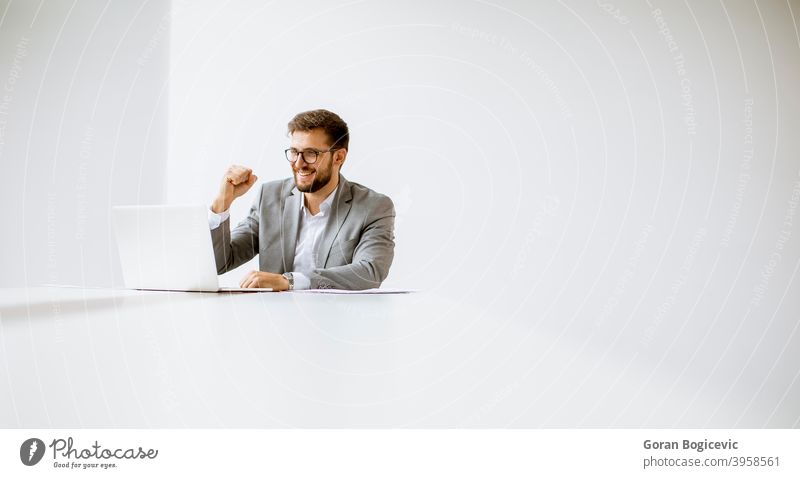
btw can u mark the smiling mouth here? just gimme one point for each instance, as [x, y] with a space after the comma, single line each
[305, 174]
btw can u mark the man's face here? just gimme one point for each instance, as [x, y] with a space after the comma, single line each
[310, 178]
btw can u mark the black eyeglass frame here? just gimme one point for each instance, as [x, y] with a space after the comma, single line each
[289, 151]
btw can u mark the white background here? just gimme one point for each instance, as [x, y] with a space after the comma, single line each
[550, 162]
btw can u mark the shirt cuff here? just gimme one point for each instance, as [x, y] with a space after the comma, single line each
[301, 281]
[214, 219]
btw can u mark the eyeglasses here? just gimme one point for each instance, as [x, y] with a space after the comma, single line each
[310, 156]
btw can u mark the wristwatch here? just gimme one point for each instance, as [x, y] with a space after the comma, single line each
[290, 278]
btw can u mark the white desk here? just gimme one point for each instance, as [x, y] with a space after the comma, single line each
[103, 358]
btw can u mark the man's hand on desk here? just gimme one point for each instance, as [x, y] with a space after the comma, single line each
[236, 181]
[264, 280]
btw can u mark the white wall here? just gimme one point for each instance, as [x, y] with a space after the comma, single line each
[83, 116]
[624, 175]
[528, 145]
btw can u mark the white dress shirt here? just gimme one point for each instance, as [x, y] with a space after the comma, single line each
[309, 234]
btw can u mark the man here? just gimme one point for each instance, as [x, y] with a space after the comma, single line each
[316, 231]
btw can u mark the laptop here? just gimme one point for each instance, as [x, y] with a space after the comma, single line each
[167, 248]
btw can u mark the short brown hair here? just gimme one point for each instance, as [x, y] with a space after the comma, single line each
[330, 122]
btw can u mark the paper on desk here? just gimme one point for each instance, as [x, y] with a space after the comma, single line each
[366, 291]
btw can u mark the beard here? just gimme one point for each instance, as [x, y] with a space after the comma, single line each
[321, 179]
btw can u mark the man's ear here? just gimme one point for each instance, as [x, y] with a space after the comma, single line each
[341, 156]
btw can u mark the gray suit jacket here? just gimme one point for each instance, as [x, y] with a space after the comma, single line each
[356, 249]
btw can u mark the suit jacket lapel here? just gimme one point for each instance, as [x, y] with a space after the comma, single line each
[339, 211]
[289, 226]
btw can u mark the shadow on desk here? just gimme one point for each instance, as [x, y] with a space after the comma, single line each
[54, 301]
